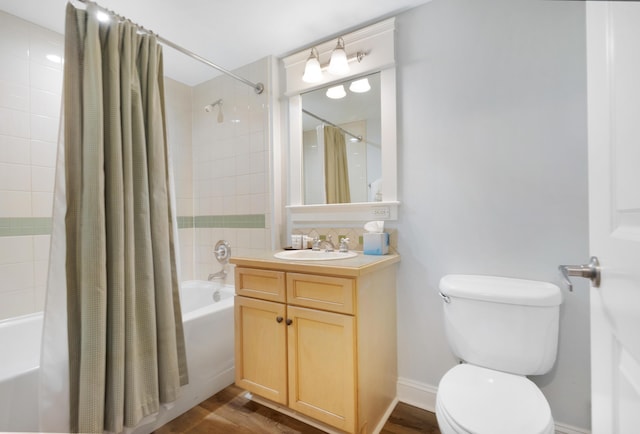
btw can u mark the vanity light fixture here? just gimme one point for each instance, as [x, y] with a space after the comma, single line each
[312, 69]
[338, 64]
[360, 86]
[336, 92]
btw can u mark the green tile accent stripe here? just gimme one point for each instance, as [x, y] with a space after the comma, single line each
[185, 222]
[230, 221]
[21, 226]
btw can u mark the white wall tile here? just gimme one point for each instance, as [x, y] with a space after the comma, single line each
[258, 203]
[15, 204]
[14, 96]
[258, 182]
[243, 204]
[44, 43]
[14, 36]
[45, 103]
[16, 303]
[41, 204]
[43, 153]
[40, 269]
[15, 177]
[16, 250]
[41, 245]
[44, 128]
[14, 123]
[14, 69]
[14, 150]
[46, 78]
[14, 277]
[42, 179]
[39, 298]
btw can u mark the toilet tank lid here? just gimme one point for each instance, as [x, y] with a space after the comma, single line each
[501, 290]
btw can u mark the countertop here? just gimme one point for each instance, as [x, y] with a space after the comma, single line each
[350, 267]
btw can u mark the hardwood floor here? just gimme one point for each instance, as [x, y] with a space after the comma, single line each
[229, 412]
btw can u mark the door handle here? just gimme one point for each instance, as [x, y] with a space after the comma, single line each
[590, 271]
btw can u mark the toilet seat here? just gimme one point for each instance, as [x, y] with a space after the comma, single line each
[472, 399]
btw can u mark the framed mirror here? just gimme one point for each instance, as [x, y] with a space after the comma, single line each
[371, 174]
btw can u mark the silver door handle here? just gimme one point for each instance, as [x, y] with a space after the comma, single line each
[590, 271]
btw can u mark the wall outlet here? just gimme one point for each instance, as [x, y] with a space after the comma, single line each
[380, 212]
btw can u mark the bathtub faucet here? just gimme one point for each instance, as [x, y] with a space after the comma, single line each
[222, 274]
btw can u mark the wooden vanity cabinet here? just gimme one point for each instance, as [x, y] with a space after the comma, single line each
[323, 346]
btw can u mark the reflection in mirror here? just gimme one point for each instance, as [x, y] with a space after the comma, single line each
[341, 142]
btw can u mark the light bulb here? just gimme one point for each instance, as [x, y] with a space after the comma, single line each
[360, 86]
[312, 70]
[336, 92]
[339, 65]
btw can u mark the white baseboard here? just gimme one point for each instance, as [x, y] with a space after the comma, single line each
[419, 395]
[568, 429]
[423, 396]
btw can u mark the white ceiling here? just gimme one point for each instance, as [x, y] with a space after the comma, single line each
[230, 33]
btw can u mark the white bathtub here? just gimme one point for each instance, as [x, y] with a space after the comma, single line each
[20, 343]
[208, 329]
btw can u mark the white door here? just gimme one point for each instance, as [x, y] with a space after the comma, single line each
[613, 67]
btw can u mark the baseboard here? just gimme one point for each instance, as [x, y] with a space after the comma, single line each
[419, 395]
[423, 396]
[568, 429]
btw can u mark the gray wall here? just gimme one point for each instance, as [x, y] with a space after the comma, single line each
[493, 170]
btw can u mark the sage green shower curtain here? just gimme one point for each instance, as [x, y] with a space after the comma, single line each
[336, 170]
[126, 343]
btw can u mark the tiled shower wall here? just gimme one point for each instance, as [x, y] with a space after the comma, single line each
[231, 167]
[30, 88]
[221, 171]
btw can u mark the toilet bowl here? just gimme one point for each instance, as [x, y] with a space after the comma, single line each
[472, 399]
[502, 329]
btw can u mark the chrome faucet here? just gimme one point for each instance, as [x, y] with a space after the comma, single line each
[318, 243]
[222, 274]
[344, 245]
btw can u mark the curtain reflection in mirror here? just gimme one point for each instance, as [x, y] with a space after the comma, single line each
[336, 166]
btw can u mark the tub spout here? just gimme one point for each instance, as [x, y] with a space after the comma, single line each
[222, 274]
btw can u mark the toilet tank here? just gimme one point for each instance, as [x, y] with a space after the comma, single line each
[502, 323]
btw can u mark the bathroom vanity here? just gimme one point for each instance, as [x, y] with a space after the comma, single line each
[317, 339]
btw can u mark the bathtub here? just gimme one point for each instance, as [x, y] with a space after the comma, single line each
[208, 330]
[20, 342]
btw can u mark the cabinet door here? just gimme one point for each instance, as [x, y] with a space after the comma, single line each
[260, 348]
[322, 366]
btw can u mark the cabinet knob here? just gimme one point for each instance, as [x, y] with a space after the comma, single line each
[279, 318]
[289, 321]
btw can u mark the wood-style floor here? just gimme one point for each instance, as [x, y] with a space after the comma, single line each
[230, 412]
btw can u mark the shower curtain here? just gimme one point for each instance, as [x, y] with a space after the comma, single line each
[336, 166]
[113, 344]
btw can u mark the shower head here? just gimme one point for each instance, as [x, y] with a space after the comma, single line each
[209, 107]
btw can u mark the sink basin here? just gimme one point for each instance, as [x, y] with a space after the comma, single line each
[311, 255]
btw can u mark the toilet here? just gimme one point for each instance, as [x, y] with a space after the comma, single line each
[502, 330]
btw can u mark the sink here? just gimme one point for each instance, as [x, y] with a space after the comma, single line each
[313, 255]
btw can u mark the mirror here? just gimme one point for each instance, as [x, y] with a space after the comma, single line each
[355, 116]
[304, 169]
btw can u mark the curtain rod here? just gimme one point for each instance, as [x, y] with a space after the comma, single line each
[257, 87]
[307, 112]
